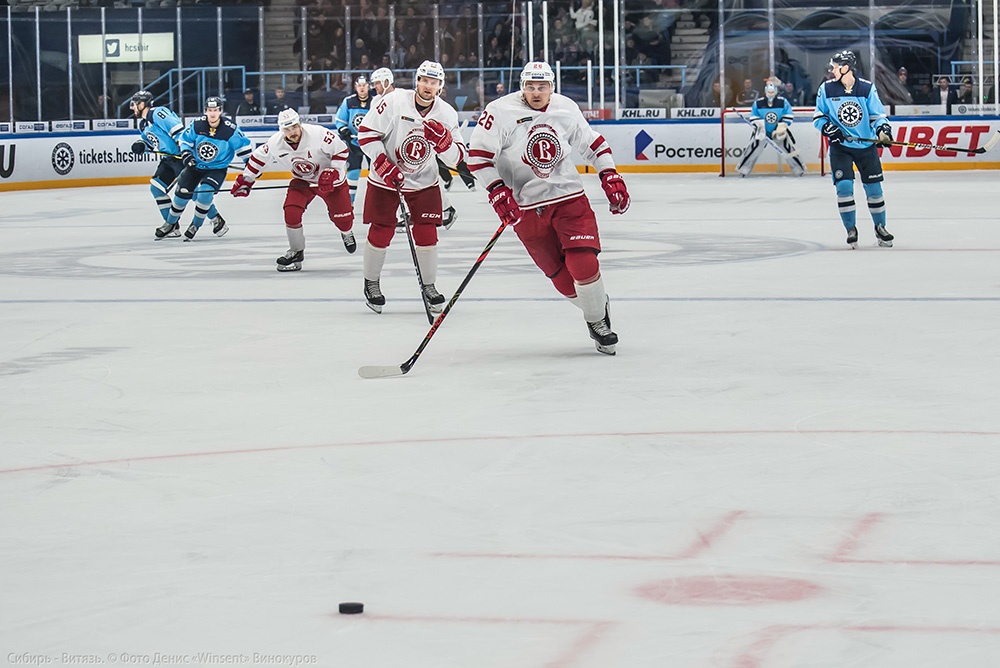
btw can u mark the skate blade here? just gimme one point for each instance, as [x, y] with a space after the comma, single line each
[222, 232]
[435, 308]
[380, 371]
[885, 244]
[375, 307]
[854, 246]
[295, 266]
[607, 350]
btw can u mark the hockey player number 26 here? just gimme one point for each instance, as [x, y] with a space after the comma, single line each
[486, 121]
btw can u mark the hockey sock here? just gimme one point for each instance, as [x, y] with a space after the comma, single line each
[564, 283]
[427, 260]
[352, 182]
[159, 192]
[592, 299]
[374, 259]
[845, 201]
[876, 203]
[202, 203]
[296, 238]
[180, 201]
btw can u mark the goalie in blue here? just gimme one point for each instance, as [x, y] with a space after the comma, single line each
[850, 115]
[771, 117]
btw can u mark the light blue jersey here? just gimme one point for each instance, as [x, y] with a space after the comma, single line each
[350, 114]
[215, 148]
[856, 111]
[772, 111]
[160, 129]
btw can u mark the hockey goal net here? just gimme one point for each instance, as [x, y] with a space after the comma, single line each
[736, 132]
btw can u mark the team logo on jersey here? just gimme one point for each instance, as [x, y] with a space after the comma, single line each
[543, 150]
[413, 153]
[63, 158]
[850, 114]
[642, 141]
[207, 151]
[153, 141]
[771, 118]
[302, 167]
[357, 121]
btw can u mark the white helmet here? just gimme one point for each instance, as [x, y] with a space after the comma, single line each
[288, 118]
[537, 71]
[431, 69]
[383, 74]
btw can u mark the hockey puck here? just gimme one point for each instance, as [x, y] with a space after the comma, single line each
[352, 608]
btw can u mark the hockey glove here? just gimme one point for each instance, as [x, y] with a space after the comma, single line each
[241, 188]
[187, 158]
[833, 133]
[438, 135]
[345, 134]
[389, 172]
[502, 199]
[781, 130]
[614, 188]
[138, 147]
[884, 133]
[327, 180]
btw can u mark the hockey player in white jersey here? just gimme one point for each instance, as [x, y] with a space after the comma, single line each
[317, 159]
[401, 135]
[771, 117]
[521, 149]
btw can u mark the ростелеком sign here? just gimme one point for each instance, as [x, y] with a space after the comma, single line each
[124, 47]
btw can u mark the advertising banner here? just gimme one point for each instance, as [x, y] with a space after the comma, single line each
[125, 48]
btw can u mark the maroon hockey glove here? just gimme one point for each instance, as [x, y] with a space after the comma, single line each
[502, 200]
[327, 180]
[614, 188]
[438, 135]
[389, 172]
[241, 188]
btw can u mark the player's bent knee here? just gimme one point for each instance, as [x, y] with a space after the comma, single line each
[381, 235]
[845, 188]
[293, 216]
[583, 265]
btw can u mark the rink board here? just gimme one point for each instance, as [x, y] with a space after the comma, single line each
[62, 160]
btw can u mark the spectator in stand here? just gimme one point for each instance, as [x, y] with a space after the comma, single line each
[748, 94]
[646, 77]
[922, 94]
[359, 49]
[413, 59]
[280, 102]
[903, 94]
[943, 94]
[789, 93]
[248, 107]
[650, 41]
[501, 91]
[714, 101]
[966, 96]
[586, 21]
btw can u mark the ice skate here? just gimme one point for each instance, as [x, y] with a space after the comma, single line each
[600, 332]
[884, 238]
[168, 230]
[448, 217]
[291, 260]
[852, 237]
[435, 300]
[190, 232]
[373, 296]
[349, 242]
[219, 227]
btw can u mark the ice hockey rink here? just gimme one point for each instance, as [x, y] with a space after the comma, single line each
[791, 462]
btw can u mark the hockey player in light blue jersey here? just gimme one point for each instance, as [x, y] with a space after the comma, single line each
[850, 115]
[159, 129]
[349, 116]
[208, 146]
[770, 116]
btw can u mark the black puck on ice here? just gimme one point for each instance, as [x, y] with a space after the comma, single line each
[352, 608]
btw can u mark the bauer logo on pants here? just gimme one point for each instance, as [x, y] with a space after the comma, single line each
[63, 158]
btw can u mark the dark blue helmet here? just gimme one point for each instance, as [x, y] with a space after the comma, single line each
[214, 102]
[143, 96]
[845, 58]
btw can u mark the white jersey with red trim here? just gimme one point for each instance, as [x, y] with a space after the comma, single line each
[529, 150]
[395, 128]
[318, 149]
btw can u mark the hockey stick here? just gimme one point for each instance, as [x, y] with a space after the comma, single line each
[957, 149]
[392, 371]
[413, 251]
[770, 141]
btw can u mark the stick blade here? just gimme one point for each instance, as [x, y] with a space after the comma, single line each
[990, 144]
[381, 371]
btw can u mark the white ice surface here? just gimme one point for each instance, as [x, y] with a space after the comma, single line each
[792, 460]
